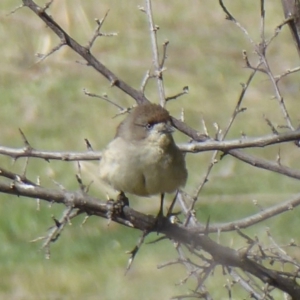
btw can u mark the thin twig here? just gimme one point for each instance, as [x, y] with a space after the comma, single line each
[230, 17]
[213, 160]
[158, 68]
[286, 73]
[185, 90]
[104, 97]
[98, 33]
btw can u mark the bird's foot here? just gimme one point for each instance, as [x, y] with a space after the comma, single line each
[115, 207]
[159, 221]
[122, 199]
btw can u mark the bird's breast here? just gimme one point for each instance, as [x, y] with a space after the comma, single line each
[143, 168]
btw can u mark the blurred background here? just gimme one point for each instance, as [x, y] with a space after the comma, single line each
[47, 102]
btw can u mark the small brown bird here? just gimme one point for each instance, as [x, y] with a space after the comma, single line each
[143, 158]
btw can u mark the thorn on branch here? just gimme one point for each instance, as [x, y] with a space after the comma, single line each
[104, 97]
[55, 231]
[135, 250]
[98, 33]
[218, 131]
[85, 219]
[57, 223]
[88, 145]
[27, 145]
[255, 203]
[124, 111]
[170, 263]
[249, 66]
[25, 166]
[164, 57]
[287, 72]
[47, 5]
[145, 81]
[204, 125]
[83, 188]
[159, 73]
[245, 58]
[141, 8]
[228, 14]
[15, 9]
[54, 49]
[27, 150]
[274, 130]
[245, 236]
[206, 230]
[113, 81]
[242, 109]
[278, 158]
[38, 200]
[80, 182]
[185, 90]
[182, 117]
[59, 185]
[155, 28]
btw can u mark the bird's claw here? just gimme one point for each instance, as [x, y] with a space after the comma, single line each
[115, 207]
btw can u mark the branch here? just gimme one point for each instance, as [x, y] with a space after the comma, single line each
[260, 50]
[265, 164]
[291, 9]
[93, 62]
[196, 147]
[242, 143]
[213, 160]
[158, 68]
[221, 255]
[50, 155]
[85, 53]
[267, 213]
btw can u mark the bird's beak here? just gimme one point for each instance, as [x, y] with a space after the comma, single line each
[167, 128]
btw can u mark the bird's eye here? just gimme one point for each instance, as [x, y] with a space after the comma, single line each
[149, 126]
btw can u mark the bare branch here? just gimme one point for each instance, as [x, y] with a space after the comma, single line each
[190, 235]
[145, 81]
[291, 10]
[287, 72]
[195, 147]
[49, 155]
[56, 230]
[267, 213]
[53, 50]
[85, 53]
[230, 17]
[104, 97]
[128, 217]
[97, 32]
[261, 52]
[158, 68]
[185, 90]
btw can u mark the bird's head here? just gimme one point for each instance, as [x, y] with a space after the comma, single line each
[147, 123]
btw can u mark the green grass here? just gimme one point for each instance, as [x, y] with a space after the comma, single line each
[46, 101]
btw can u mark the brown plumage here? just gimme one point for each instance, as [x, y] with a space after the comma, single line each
[143, 158]
[141, 117]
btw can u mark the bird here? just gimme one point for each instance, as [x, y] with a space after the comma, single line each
[143, 158]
